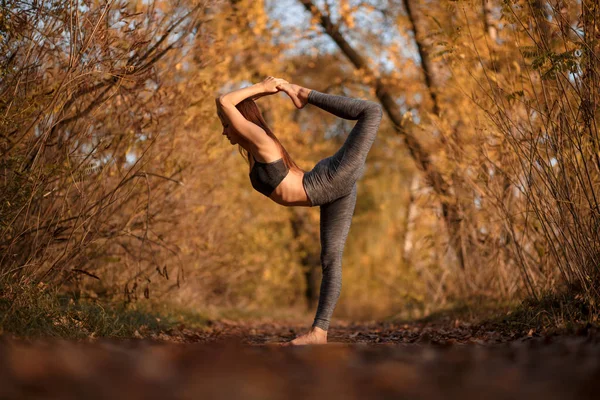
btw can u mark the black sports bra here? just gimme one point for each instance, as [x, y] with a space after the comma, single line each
[265, 177]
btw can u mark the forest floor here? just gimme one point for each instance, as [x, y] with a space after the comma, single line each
[443, 357]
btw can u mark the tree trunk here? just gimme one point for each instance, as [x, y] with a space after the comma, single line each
[488, 23]
[425, 59]
[406, 238]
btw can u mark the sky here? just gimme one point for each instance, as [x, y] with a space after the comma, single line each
[291, 14]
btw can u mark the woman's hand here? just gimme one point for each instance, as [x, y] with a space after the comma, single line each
[270, 84]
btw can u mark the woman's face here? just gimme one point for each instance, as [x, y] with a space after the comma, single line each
[228, 130]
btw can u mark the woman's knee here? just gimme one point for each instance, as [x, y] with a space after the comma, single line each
[374, 108]
[331, 259]
[332, 268]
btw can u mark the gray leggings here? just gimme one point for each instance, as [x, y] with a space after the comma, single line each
[331, 184]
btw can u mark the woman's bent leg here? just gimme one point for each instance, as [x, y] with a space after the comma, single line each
[336, 218]
[342, 106]
[335, 175]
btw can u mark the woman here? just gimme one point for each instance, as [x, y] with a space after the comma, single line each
[331, 184]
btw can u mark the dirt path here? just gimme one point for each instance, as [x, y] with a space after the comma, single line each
[237, 361]
[444, 332]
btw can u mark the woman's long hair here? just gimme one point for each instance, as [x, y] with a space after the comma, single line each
[251, 112]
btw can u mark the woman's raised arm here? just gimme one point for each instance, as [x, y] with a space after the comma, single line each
[264, 88]
[226, 107]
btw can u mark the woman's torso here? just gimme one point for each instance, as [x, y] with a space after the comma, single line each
[290, 191]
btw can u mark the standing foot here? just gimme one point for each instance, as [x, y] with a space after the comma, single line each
[314, 336]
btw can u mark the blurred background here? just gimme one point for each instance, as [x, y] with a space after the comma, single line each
[118, 191]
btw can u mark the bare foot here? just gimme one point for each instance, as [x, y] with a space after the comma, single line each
[297, 93]
[314, 336]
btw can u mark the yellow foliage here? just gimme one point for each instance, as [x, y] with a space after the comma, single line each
[231, 240]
